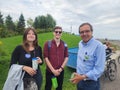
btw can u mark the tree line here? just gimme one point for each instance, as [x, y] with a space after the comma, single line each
[8, 27]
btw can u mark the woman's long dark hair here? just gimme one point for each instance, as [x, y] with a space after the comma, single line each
[25, 43]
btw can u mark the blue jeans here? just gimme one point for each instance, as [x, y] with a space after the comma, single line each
[88, 85]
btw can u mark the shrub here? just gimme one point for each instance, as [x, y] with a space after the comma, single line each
[2, 51]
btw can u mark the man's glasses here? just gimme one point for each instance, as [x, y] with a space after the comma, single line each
[86, 31]
[58, 32]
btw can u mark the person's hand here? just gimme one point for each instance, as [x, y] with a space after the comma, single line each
[77, 78]
[56, 72]
[39, 60]
[60, 70]
[29, 70]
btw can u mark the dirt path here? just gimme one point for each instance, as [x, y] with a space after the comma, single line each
[106, 84]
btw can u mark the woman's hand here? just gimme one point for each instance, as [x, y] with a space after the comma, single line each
[39, 60]
[29, 70]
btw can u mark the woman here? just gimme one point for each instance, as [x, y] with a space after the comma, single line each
[24, 53]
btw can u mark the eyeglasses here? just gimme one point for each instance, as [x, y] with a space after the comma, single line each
[58, 32]
[86, 31]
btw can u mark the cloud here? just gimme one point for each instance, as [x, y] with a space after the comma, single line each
[103, 14]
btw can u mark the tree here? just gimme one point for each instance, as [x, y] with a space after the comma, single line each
[1, 20]
[2, 28]
[9, 23]
[50, 21]
[36, 23]
[3, 32]
[30, 22]
[42, 22]
[21, 24]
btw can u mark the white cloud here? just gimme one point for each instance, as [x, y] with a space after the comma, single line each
[101, 13]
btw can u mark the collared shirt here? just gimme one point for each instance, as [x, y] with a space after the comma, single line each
[91, 59]
[56, 54]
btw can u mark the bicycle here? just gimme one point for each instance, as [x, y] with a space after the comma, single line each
[119, 59]
[110, 68]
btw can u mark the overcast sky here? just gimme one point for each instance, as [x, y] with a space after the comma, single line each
[102, 14]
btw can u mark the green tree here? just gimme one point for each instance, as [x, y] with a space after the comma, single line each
[3, 32]
[43, 22]
[21, 24]
[36, 23]
[1, 20]
[30, 22]
[2, 28]
[9, 23]
[50, 21]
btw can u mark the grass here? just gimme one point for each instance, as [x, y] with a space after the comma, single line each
[10, 43]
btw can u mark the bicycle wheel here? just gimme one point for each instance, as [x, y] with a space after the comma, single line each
[112, 70]
[119, 59]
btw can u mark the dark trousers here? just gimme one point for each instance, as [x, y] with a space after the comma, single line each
[88, 85]
[37, 78]
[48, 84]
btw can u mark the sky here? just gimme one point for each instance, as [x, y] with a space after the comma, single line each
[104, 15]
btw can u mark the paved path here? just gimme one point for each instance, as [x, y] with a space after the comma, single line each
[106, 84]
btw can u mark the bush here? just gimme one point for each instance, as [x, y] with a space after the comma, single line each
[2, 51]
[4, 67]
[43, 30]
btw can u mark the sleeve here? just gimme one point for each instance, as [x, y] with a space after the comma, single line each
[65, 49]
[15, 56]
[40, 54]
[66, 52]
[99, 63]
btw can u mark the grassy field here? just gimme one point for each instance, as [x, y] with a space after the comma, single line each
[10, 43]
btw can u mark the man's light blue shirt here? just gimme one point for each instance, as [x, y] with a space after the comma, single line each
[91, 59]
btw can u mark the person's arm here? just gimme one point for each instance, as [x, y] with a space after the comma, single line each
[49, 64]
[99, 65]
[40, 59]
[65, 58]
[63, 65]
[54, 71]
[15, 56]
